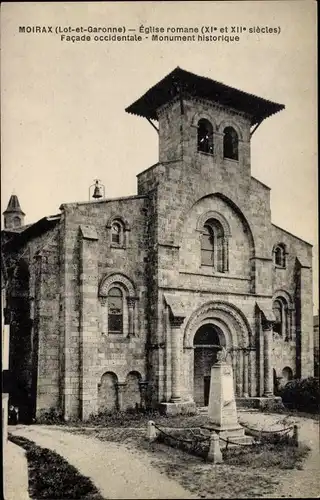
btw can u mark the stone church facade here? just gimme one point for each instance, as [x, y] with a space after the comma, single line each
[125, 302]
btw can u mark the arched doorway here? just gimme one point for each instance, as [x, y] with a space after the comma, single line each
[207, 342]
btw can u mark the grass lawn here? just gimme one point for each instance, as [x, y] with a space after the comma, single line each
[52, 477]
[128, 419]
[139, 419]
[251, 472]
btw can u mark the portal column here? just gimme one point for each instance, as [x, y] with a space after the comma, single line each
[252, 381]
[234, 369]
[189, 376]
[267, 358]
[239, 372]
[176, 323]
[245, 373]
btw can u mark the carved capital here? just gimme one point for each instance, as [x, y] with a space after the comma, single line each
[246, 350]
[143, 385]
[121, 386]
[156, 345]
[267, 325]
[176, 321]
[131, 301]
[103, 301]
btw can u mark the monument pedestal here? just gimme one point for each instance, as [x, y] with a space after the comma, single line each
[222, 409]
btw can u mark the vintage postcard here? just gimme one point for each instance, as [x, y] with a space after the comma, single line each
[159, 250]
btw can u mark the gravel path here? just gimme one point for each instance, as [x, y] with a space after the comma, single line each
[122, 473]
[15, 486]
[116, 471]
[295, 483]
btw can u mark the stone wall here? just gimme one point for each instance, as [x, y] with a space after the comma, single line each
[295, 278]
[46, 358]
[89, 259]
[34, 307]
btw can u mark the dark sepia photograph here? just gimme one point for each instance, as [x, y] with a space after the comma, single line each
[159, 250]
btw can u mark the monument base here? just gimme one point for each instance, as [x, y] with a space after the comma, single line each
[178, 408]
[235, 435]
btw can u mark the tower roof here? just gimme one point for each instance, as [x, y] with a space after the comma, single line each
[193, 85]
[13, 206]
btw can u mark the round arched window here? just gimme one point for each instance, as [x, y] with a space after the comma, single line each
[280, 256]
[115, 310]
[205, 136]
[116, 233]
[230, 144]
[212, 246]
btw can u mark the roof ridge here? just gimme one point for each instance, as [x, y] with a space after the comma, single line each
[165, 90]
[13, 206]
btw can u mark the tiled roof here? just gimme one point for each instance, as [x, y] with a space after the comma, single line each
[13, 206]
[31, 230]
[185, 83]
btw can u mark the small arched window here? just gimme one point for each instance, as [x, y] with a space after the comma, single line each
[230, 144]
[207, 246]
[287, 374]
[280, 311]
[115, 310]
[280, 256]
[117, 234]
[205, 136]
[213, 248]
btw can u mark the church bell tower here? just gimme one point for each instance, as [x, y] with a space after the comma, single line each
[13, 215]
[203, 123]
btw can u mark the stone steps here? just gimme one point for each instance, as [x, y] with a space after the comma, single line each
[238, 440]
[236, 435]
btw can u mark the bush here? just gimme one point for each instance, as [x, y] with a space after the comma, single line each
[52, 477]
[52, 416]
[118, 418]
[271, 405]
[302, 394]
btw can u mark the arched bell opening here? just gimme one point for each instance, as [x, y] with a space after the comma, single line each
[208, 341]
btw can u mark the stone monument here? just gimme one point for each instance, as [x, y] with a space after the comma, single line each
[222, 409]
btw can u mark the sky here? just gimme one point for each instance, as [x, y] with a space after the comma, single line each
[63, 120]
